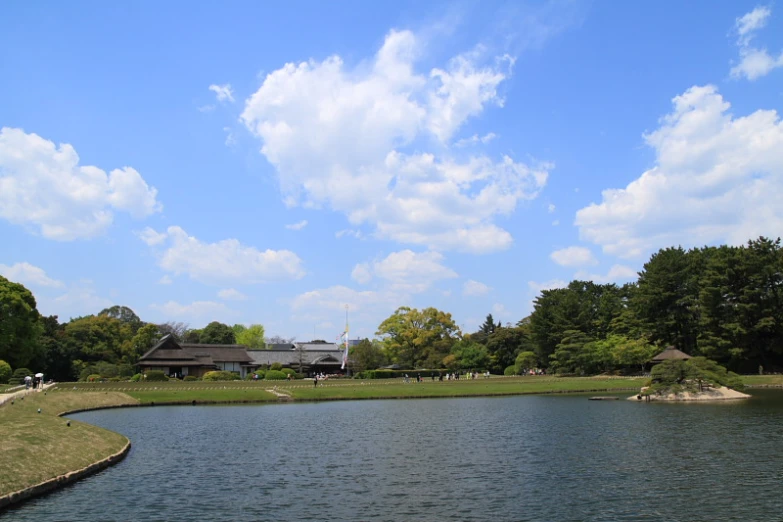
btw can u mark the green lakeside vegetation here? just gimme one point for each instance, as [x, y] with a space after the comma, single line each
[724, 303]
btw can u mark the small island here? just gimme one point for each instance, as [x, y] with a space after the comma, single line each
[678, 377]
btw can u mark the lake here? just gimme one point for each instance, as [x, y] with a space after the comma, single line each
[542, 458]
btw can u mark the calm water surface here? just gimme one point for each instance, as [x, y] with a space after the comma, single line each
[544, 458]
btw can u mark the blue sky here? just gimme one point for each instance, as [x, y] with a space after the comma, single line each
[276, 162]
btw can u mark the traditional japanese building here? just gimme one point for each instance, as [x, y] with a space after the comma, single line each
[172, 358]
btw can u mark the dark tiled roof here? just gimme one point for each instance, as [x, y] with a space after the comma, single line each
[291, 357]
[168, 350]
[219, 352]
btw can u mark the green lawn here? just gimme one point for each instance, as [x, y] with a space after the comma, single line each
[40, 446]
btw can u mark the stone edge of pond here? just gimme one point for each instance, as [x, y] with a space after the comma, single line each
[52, 484]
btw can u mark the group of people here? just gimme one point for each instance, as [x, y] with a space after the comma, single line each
[449, 376]
[319, 377]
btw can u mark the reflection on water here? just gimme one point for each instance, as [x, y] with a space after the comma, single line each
[541, 458]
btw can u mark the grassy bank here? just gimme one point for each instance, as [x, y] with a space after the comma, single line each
[40, 446]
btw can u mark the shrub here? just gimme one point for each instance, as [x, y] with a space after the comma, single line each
[94, 378]
[510, 370]
[190, 378]
[5, 372]
[124, 370]
[276, 366]
[288, 371]
[221, 375]
[105, 369]
[114, 379]
[156, 376]
[136, 378]
[261, 373]
[19, 374]
[275, 375]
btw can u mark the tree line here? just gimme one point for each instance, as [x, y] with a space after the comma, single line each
[724, 303]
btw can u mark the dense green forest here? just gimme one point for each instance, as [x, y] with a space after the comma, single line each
[724, 303]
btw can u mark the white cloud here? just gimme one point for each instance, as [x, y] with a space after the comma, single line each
[361, 273]
[206, 108]
[616, 274]
[231, 294]
[716, 179]
[44, 186]
[226, 260]
[336, 298]
[550, 208]
[223, 92]
[474, 288]
[297, 226]
[573, 256]
[165, 280]
[408, 271]
[231, 139]
[151, 237]
[475, 140]
[348, 232]
[311, 116]
[755, 62]
[28, 275]
[195, 312]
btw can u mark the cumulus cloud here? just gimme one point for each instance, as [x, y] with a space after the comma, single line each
[223, 92]
[231, 294]
[225, 260]
[406, 271]
[716, 178]
[361, 273]
[336, 298]
[338, 139]
[43, 185]
[474, 288]
[28, 275]
[573, 256]
[151, 237]
[755, 62]
[475, 140]
[297, 226]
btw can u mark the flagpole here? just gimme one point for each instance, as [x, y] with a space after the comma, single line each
[345, 355]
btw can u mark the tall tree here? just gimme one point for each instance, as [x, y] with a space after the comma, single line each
[252, 337]
[504, 344]
[217, 333]
[367, 355]
[418, 338]
[19, 324]
[175, 329]
[124, 315]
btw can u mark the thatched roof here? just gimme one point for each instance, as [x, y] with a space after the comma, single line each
[669, 354]
[168, 352]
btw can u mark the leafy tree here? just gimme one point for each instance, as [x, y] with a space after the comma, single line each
[367, 355]
[252, 336]
[192, 337]
[217, 333]
[97, 338]
[469, 355]
[632, 352]
[144, 339]
[675, 376]
[5, 372]
[566, 358]
[667, 297]
[418, 338]
[504, 344]
[526, 360]
[57, 356]
[19, 324]
[124, 315]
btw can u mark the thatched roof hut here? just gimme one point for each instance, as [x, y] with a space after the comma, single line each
[670, 354]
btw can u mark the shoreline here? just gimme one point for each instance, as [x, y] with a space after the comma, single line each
[15, 498]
